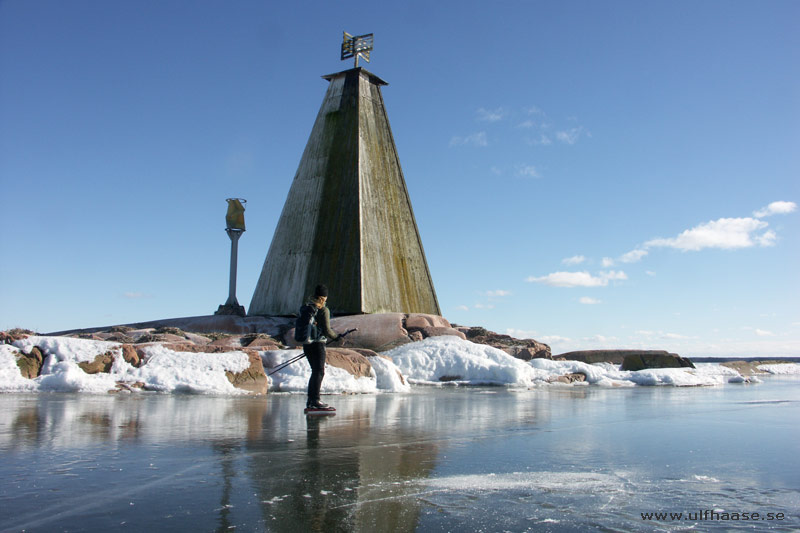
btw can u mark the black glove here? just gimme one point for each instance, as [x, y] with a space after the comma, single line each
[343, 335]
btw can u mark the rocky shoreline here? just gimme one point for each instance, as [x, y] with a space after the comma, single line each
[135, 344]
[252, 335]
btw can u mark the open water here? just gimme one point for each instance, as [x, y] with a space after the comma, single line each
[453, 459]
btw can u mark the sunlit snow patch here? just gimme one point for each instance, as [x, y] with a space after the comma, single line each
[163, 370]
[294, 378]
[10, 378]
[449, 358]
[781, 368]
[169, 371]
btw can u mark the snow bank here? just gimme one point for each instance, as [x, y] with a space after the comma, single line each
[435, 360]
[67, 348]
[451, 359]
[439, 359]
[388, 376]
[164, 370]
[781, 368]
[294, 378]
[169, 371]
[10, 378]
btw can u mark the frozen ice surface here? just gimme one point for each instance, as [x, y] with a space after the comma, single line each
[435, 459]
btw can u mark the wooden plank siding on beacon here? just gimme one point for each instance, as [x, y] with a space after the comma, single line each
[347, 221]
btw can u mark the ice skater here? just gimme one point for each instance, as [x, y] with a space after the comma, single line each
[313, 329]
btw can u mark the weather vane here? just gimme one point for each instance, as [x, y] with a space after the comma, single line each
[358, 46]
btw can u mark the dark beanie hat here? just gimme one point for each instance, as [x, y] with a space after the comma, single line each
[320, 290]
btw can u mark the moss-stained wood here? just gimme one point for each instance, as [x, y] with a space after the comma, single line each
[348, 221]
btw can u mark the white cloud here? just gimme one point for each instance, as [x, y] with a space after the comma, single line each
[570, 136]
[526, 124]
[484, 306]
[762, 347]
[578, 279]
[600, 340]
[650, 273]
[498, 293]
[768, 238]
[589, 301]
[543, 140]
[764, 333]
[135, 295]
[462, 308]
[614, 275]
[523, 334]
[491, 115]
[633, 256]
[775, 208]
[476, 139]
[574, 260]
[554, 341]
[725, 233]
[528, 171]
[661, 334]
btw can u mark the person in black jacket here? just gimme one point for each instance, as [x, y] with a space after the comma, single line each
[314, 347]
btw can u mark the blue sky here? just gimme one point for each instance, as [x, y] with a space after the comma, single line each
[592, 174]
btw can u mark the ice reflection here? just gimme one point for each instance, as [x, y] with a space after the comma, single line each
[265, 460]
[563, 459]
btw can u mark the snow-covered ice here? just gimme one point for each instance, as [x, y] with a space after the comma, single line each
[559, 458]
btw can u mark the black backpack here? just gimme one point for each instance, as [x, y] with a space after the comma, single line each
[305, 327]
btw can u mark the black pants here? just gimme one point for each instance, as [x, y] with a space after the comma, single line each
[315, 353]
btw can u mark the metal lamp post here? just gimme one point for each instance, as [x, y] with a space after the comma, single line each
[234, 220]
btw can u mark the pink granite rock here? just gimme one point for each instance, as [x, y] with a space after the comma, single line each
[253, 379]
[419, 321]
[130, 355]
[234, 342]
[349, 360]
[30, 365]
[433, 331]
[101, 363]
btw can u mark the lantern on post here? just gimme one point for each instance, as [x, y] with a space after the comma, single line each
[234, 220]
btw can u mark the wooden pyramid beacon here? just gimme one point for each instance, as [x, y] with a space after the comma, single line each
[347, 221]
